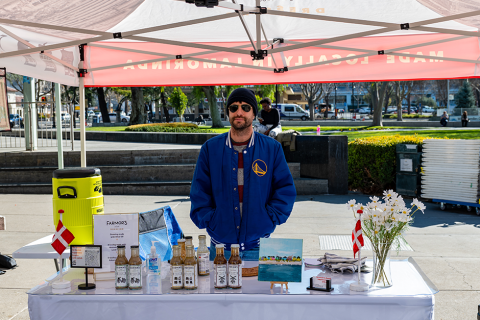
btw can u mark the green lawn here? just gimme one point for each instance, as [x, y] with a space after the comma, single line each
[105, 128]
[452, 134]
[355, 132]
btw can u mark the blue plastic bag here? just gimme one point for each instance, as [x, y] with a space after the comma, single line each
[158, 225]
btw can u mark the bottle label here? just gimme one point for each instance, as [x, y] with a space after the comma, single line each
[121, 276]
[204, 263]
[176, 276]
[235, 275]
[153, 266]
[221, 275]
[135, 276]
[190, 277]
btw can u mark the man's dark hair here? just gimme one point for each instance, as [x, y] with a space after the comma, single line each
[266, 100]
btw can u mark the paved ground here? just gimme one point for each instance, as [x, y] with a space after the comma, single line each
[446, 243]
[50, 145]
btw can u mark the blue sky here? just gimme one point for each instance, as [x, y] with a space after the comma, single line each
[281, 247]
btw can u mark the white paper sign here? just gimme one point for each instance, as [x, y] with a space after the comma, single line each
[406, 165]
[112, 230]
[85, 256]
[320, 282]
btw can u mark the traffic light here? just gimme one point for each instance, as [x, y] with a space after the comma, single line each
[44, 99]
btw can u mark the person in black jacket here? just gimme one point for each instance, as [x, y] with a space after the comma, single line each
[269, 119]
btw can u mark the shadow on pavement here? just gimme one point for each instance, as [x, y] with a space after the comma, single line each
[433, 216]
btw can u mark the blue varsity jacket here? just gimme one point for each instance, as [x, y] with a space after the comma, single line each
[268, 193]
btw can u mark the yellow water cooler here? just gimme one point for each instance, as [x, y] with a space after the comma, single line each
[77, 191]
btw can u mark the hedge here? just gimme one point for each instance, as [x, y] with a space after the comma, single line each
[371, 162]
[168, 127]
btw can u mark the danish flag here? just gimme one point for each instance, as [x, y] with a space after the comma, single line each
[357, 237]
[62, 237]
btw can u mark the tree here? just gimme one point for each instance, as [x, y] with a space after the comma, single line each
[211, 94]
[138, 115]
[402, 91]
[427, 101]
[464, 98]
[178, 100]
[102, 104]
[312, 92]
[378, 90]
[153, 95]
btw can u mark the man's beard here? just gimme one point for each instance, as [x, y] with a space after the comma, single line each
[240, 126]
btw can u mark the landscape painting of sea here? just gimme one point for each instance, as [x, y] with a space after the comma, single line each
[280, 260]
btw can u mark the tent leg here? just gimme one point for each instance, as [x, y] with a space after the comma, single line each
[58, 120]
[83, 144]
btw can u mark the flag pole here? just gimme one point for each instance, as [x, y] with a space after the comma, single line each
[61, 260]
[359, 263]
[60, 285]
[359, 286]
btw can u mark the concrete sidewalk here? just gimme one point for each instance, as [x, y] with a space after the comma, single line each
[445, 243]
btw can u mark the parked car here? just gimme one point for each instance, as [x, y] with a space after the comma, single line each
[113, 118]
[15, 120]
[65, 117]
[428, 110]
[392, 109]
[364, 110]
[331, 115]
[291, 112]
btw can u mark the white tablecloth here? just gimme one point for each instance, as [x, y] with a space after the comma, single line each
[40, 249]
[410, 298]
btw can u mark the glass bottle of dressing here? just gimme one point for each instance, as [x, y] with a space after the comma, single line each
[190, 275]
[121, 267]
[235, 268]
[176, 269]
[188, 241]
[183, 253]
[203, 256]
[135, 270]
[220, 267]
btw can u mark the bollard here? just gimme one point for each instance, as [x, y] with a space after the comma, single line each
[2, 223]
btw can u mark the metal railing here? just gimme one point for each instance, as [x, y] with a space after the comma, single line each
[46, 130]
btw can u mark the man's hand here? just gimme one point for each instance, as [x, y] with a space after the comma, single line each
[260, 120]
[267, 132]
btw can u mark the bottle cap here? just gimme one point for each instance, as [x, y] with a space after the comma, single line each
[188, 237]
[202, 236]
[181, 240]
[190, 247]
[220, 246]
[133, 247]
[235, 246]
[120, 247]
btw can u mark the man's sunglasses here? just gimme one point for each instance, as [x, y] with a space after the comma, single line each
[233, 108]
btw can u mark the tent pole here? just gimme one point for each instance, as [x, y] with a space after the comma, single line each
[83, 145]
[259, 27]
[58, 120]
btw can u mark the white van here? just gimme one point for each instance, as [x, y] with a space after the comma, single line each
[291, 111]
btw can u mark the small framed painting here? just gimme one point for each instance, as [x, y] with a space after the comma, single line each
[280, 260]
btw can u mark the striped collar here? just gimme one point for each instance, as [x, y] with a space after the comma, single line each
[229, 140]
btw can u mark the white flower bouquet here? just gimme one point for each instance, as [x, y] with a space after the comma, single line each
[384, 224]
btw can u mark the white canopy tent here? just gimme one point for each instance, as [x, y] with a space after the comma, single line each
[166, 42]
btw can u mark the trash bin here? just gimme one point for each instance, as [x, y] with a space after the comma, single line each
[408, 161]
[78, 191]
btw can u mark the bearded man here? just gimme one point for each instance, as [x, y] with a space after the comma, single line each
[242, 187]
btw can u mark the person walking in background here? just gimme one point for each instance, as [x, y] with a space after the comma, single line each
[444, 119]
[269, 119]
[465, 119]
